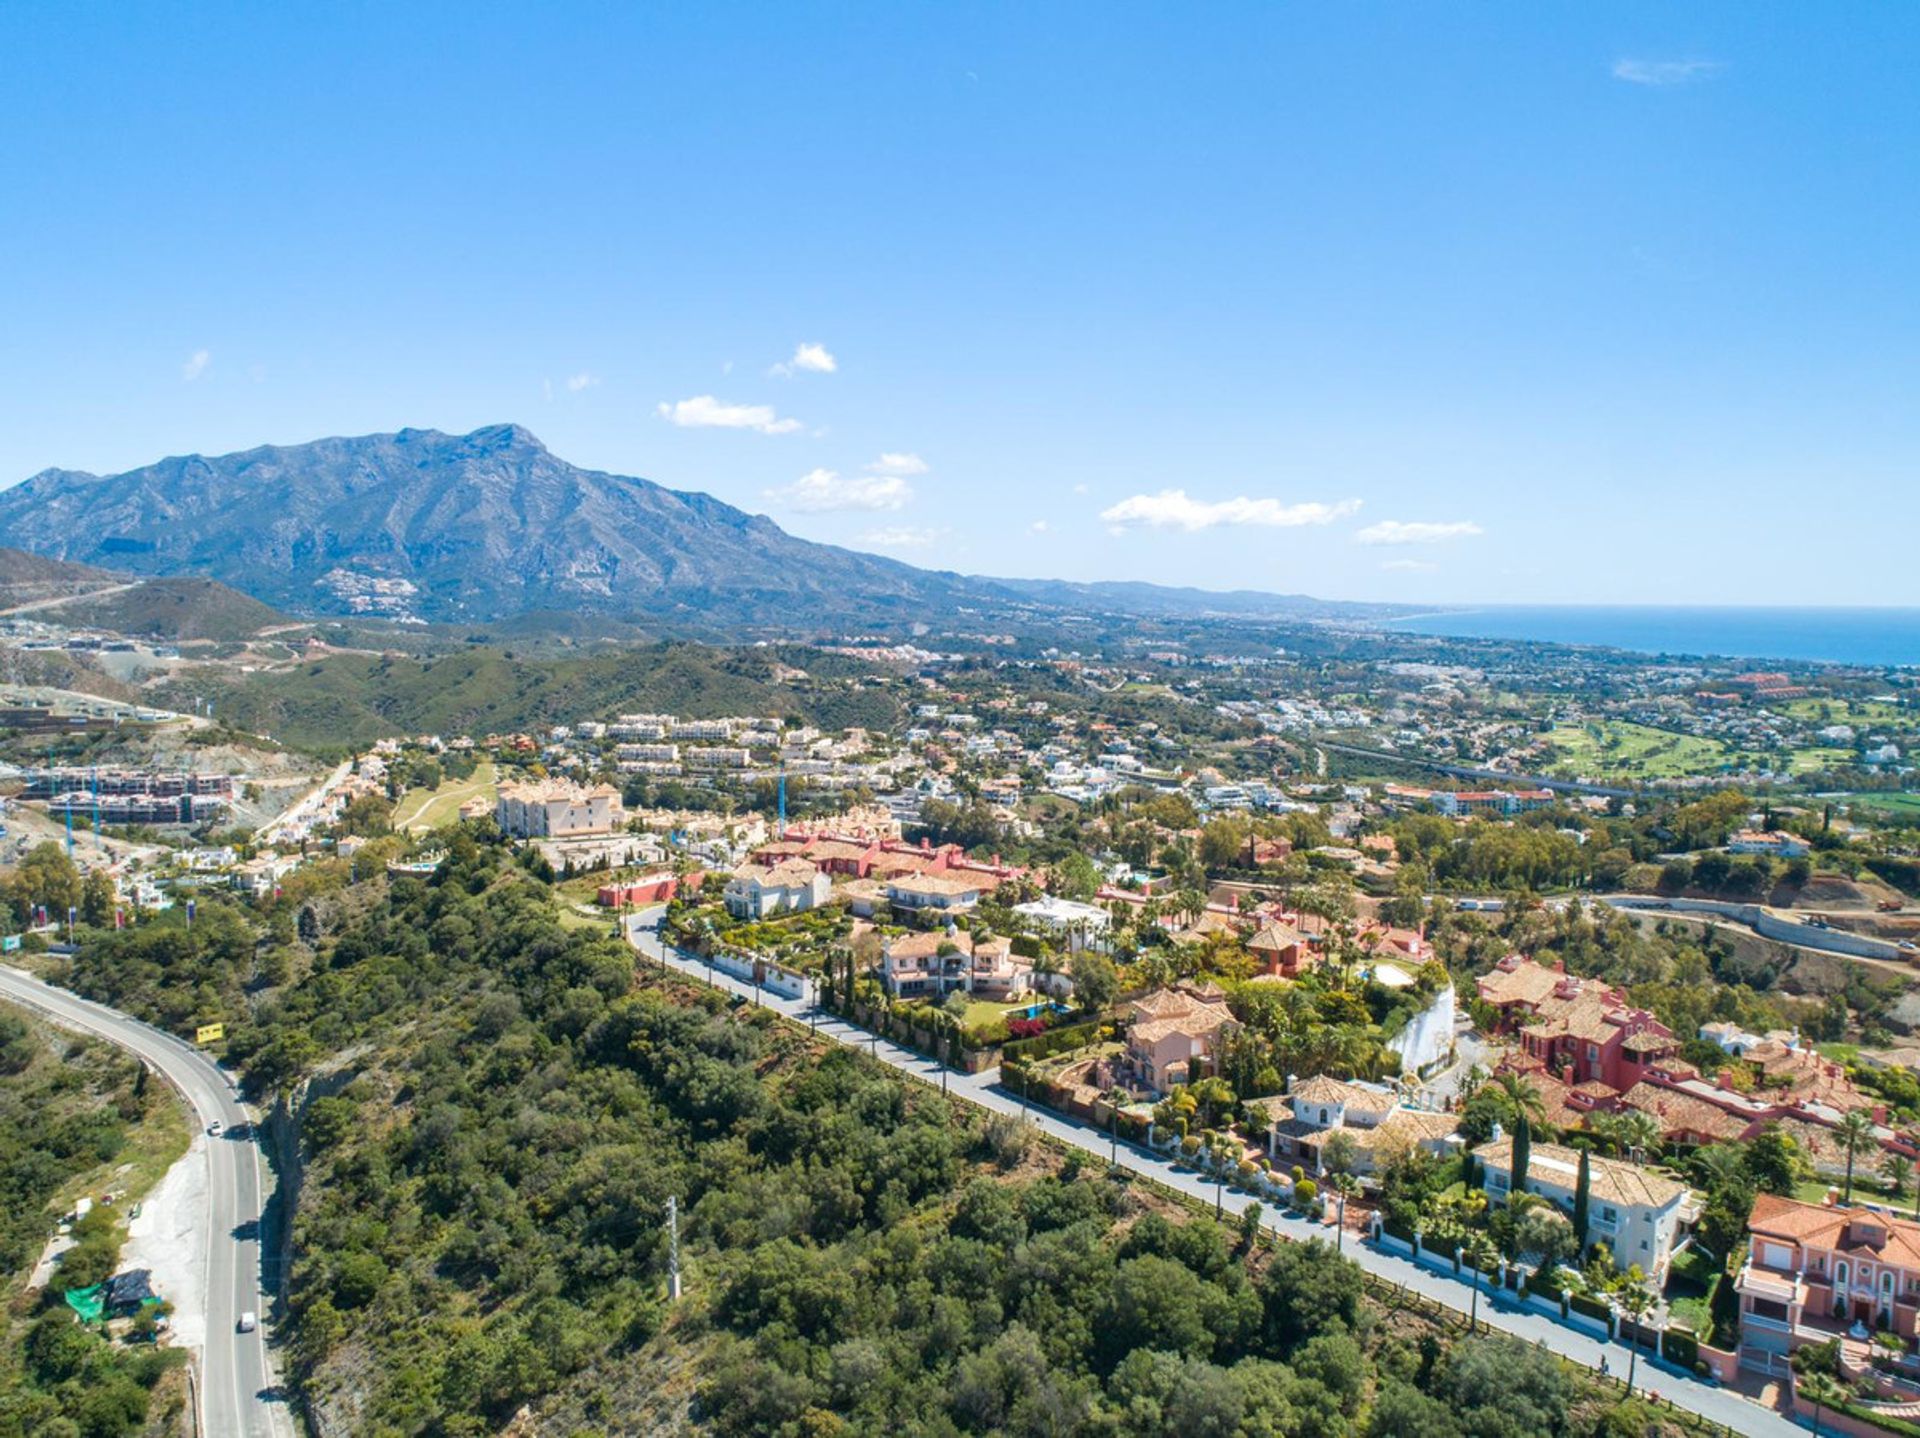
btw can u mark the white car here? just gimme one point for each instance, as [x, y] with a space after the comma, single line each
[248, 1322]
[213, 1129]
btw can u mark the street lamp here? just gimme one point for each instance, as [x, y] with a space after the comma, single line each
[1113, 1130]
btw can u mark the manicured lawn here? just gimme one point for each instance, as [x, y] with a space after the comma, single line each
[429, 809]
[1808, 761]
[1907, 806]
[981, 1013]
[1860, 713]
[1615, 749]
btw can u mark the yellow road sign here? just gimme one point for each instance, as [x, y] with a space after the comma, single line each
[208, 1033]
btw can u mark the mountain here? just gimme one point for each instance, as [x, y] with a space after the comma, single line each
[180, 608]
[82, 597]
[459, 528]
[1169, 602]
[34, 579]
[491, 527]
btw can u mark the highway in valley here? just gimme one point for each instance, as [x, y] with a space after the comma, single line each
[236, 1391]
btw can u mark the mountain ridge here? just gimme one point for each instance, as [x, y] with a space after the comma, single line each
[422, 525]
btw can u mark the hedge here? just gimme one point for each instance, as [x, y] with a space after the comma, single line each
[1401, 1231]
[1886, 1422]
[1679, 1346]
[1593, 1308]
[1056, 1041]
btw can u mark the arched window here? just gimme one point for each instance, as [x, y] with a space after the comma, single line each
[1886, 1283]
[1840, 1274]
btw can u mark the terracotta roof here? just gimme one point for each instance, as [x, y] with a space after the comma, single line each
[1837, 1230]
[1324, 1088]
[938, 884]
[1682, 1113]
[1608, 1179]
[1275, 937]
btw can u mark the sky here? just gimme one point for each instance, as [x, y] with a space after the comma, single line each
[1508, 303]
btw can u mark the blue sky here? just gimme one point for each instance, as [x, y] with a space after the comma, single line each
[1502, 303]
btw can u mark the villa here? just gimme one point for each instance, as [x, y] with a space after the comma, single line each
[1635, 1211]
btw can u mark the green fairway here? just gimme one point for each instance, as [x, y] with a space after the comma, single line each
[422, 809]
[1906, 806]
[1615, 749]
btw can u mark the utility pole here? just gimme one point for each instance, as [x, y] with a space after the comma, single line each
[673, 1249]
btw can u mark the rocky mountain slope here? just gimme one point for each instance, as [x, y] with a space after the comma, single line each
[458, 528]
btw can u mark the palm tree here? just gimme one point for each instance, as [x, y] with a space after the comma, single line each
[1898, 1172]
[1627, 1131]
[1636, 1298]
[1818, 1389]
[1479, 1252]
[1855, 1129]
[1521, 1096]
[1715, 1164]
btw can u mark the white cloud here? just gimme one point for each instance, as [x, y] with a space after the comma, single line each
[581, 381]
[1176, 509]
[898, 537]
[1039, 526]
[703, 411]
[196, 365]
[1666, 72]
[821, 490]
[1080, 489]
[1410, 565]
[808, 358]
[893, 462]
[1400, 531]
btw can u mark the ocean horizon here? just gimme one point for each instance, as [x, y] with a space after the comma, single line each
[1874, 637]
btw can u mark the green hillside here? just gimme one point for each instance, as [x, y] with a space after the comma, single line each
[346, 700]
[174, 609]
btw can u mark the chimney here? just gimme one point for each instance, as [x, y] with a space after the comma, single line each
[1725, 1081]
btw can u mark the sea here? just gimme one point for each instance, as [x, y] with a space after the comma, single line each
[1870, 637]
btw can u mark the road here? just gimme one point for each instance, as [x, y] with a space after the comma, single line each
[1717, 1405]
[60, 599]
[292, 821]
[237, 1390]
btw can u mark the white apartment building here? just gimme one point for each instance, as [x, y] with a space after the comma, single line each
[555, 809]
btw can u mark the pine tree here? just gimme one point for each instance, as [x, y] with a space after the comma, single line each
[1522, 1152]
[1582, 1197]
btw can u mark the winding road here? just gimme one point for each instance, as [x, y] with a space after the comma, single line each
[237, 1392]
[1709, 1401]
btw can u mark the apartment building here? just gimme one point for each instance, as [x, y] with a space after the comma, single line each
[555, 809]
[1581, 1030]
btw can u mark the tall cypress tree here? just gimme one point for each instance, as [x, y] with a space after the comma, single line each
[1581, 1198]
[1522, 1153]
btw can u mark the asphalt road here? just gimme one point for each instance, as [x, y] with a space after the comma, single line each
[1709, 1401]
[236, 1388]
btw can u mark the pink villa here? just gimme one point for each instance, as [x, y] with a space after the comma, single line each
[1173, 1035]
[1579, 1029]
[1814, 1272]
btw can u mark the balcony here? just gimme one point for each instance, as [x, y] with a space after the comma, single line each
[1765, 1283]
